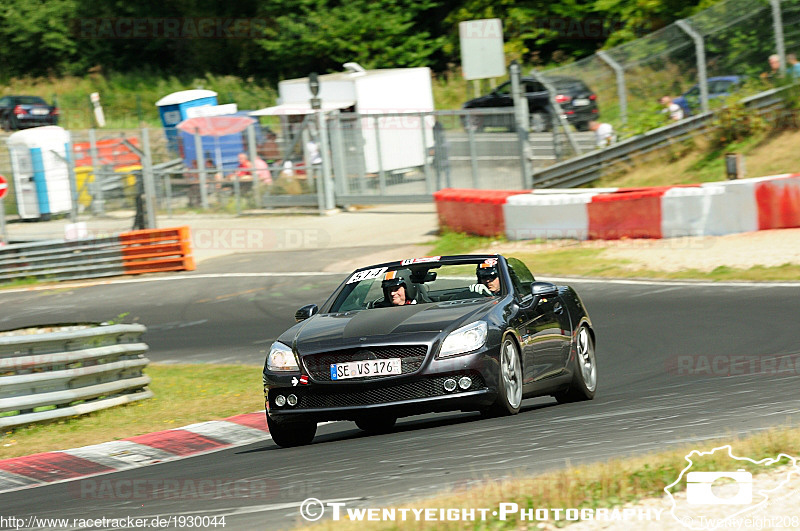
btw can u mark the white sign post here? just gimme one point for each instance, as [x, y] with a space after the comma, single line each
[482, 48]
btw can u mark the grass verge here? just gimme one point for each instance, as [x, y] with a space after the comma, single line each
[603, 485]
[589, 262]
[184, 394]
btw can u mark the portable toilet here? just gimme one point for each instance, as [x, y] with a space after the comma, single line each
[172, 109]
[40, 167]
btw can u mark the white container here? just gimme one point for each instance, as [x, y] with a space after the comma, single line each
[40, 171]
[372, 92]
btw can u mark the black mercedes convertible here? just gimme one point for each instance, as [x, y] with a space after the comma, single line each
[440, 333]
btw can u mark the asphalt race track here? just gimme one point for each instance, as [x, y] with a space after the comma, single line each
[649, 336]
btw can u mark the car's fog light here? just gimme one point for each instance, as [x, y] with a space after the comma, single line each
[449, 385]
[292, 400]
[465, 382]
[280, 400]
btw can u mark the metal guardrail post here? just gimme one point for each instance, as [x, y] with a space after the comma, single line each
[551, 93]
[522, 124]
[426, 166]
[700, 51]
[325, 153]
[147, 175]
[622, 94]
[381, 172]
[473, 155]
[337, 152]
[777, 24]
[201, 168]
[252, 154]
[97, 200]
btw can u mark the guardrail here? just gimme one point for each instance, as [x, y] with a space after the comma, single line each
[588, 167]
[70, 372]
[128, 253]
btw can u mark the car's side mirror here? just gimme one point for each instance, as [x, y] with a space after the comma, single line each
[305, 312]
[542, 290]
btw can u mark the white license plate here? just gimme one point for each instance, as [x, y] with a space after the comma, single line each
[40, 111]
[580, 102]
[363, 369]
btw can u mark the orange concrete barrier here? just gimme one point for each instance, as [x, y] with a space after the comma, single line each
[157, 250]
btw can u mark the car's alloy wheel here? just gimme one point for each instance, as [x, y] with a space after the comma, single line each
[295, 433]
[584, 378]
[509, 390]
[379, 424]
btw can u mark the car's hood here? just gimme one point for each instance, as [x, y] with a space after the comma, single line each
[418, 322]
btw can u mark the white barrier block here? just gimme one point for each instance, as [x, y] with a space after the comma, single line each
[712, 209]
[546, 216]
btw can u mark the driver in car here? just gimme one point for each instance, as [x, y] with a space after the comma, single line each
[488, 280]
[395, 292]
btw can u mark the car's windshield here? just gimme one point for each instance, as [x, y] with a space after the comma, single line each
[382, 287]
[30, 100]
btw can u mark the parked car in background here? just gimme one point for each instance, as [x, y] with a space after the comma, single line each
[718, 87]
[19, 112]
[577, 101]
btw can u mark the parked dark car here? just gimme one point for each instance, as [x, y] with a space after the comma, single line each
[473, 333]
[19, 112]
[718, 87]
[577, 102]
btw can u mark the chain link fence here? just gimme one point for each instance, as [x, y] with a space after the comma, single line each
[732, 39]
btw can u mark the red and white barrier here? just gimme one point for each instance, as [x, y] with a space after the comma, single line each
[708, 209]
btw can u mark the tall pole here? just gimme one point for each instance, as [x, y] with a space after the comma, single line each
[700, 51]
[521, 115]
[622, 95]
[777, 24]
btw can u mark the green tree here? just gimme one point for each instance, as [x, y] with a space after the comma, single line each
[34, 40]
[321, 35]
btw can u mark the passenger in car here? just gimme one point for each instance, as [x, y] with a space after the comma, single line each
[488, 280]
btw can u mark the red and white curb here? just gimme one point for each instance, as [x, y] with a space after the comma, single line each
[707, 209]
[143, 450]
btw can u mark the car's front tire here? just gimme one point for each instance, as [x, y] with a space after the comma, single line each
[584, 376]
[380, 424]
[509, 383]
[291, 433]
[539, 122]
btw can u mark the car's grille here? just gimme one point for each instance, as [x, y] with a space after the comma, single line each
[411, 358]
[431, 387]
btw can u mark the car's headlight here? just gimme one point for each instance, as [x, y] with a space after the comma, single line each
[281, 358]
[465, 339]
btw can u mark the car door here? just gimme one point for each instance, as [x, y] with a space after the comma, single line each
[542, 349]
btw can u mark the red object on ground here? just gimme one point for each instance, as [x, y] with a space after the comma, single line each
[477, 212]
[778, 203]
[52, 466]
[111, 151]
[178, 442]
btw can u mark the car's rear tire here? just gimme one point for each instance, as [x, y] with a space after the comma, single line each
[584, 376]
[509, 383]
[379, 424]
[291, 433]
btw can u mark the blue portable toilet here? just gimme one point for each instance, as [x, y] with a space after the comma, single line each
[172, 109]
[40, 164]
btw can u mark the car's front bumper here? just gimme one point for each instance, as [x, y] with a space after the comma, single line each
[420, 392]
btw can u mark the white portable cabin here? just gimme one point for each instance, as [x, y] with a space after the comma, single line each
[40, 171]
[370, 93]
